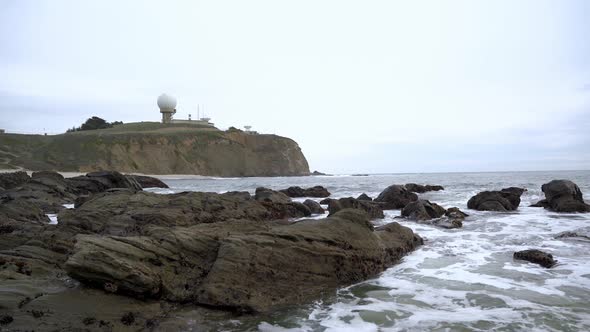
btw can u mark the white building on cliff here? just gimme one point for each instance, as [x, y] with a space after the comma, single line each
[167, 106]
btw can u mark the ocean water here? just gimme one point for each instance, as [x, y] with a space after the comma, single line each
[461, 279]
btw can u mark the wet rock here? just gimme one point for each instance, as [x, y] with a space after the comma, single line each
[13, 180]
[536, 256]
[97, 182]
[563, 196]
[395, 197]
[242, 265]
[316, 173]
[269, 195]
[575, 235]
[422, 210]
[314, 206]
[148, 181]
[373, 210]
[317, 191]
[325, 201]
[507, 199]
[364, 197]
[418, 188]
[6, 319]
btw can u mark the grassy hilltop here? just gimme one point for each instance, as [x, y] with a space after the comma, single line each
[155, 148]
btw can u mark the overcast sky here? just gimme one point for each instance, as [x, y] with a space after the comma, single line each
[362, 86]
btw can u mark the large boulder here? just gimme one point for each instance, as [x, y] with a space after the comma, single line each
[507, 199]
[420, 189]
[317, 191]
[244, 265]
[96, 182]
[14, 179]
[536, 256]
[395, 197]
[373, 210]
[148, 181]
[269, 195]
[422, 210]
[563, 196]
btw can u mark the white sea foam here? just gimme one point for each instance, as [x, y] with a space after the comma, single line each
[52, 219]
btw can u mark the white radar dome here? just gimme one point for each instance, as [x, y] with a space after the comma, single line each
[166, 101]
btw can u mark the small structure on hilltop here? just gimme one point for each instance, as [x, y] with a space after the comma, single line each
[2, 131]
[167, 105]
[249, 130]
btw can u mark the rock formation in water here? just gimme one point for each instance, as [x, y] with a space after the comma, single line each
[420, 189]
[563, 196]
[154, 148]
[142, 255]
[395, 197]
[536, 256]
[316, 191]
[432, 213]
[507, 199]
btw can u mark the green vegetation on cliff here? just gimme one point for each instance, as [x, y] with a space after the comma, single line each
[155, 148]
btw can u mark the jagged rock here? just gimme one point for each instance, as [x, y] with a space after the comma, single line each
[317, 191]
[47, 190]
[97, 182]
[148, 181]
[507, 199]
[364, 197]
[314, 206]
[13, 180]
[563, 196]
[395, 197]
[536, 256]
[269, 195]
[418, 188]
[246, 265]
[373, 210]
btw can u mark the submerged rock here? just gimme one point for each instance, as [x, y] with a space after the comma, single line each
[536, 256]
[563, 196]
[373, 210]
[507, 199]
[316, 191]
[246, 265]
[148, 181]
[395, 197]
[418, 188]
[575, 235]
[314, 206]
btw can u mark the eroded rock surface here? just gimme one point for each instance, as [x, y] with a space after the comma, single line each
[245, 265]
[563, 196]
[373, 210]
[507, 199]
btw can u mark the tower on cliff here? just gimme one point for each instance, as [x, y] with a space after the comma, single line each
[167, 105]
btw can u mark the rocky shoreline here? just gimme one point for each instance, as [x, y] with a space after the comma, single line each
[127, 259]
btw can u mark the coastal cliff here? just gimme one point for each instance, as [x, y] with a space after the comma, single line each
[153, 148]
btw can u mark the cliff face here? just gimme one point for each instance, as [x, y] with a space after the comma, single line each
[156, 149]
